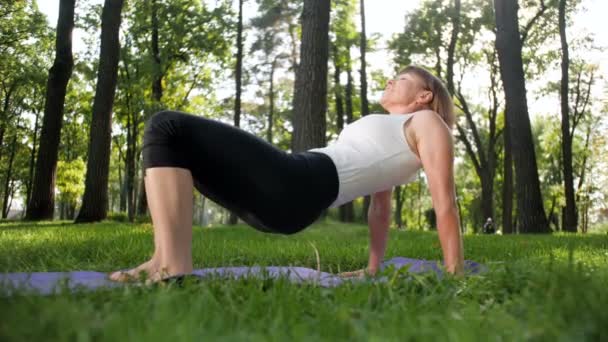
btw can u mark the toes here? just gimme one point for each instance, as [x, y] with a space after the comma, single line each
[125, 276]
[119, 276]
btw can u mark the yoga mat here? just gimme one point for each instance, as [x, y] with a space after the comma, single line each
[52, 282]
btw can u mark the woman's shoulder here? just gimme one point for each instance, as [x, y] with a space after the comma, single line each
[427, 117]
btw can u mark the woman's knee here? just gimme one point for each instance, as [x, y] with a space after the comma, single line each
[161, 125]
[160, 118]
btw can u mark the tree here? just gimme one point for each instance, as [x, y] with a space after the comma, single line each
[8, 178]
[310, 96]
[42, 201]
[345, 36]
[272, 47]
[70, 179]
[195, 37]
[440, 28]
[95, 200]
[530, 211]
[570, 215]
[238, 75]
[363, 75]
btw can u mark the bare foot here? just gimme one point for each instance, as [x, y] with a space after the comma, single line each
[149, 272]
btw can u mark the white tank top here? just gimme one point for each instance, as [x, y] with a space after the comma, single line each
[372, 155]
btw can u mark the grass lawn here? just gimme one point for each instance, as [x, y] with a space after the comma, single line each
[551, 288]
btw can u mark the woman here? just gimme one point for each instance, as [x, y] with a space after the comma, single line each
[278, 192]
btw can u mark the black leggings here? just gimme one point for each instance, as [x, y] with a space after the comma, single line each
[270, 189]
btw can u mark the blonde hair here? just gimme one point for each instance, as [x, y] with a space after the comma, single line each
[442, 101]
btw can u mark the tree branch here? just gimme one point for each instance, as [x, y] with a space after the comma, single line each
[473, 126]
[462, 136]
[528, 27]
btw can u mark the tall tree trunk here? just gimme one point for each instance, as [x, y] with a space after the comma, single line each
[238, 67]
[95, 199]
[347, 210]
[157, 83]
[131, 147]
[530, 212]
[132, 139]
[271, 96]
[452, 46]
[399, 193]
[310, 98]
[350, 116]
[338, 91]
[30, 179]
[238, 77]
[122, 181]
[570, 217]
[363, 75]
[507, 190]
[42, 201]
[157, 94]
[9, 174]
[487, 193]
[4, 117]
[122, 204]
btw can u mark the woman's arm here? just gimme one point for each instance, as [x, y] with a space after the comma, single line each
[435, 146]
[378, 219]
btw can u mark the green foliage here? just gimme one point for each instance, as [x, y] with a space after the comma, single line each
[25, 56]
[70, 180]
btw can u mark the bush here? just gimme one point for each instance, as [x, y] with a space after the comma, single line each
[118, 217]
[124, 217]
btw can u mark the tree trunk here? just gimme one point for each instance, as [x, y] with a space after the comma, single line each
[530, 214]
[399, 199]
[122, 204]
[310, 97]
[95, 199]
[347, 210]
[42, 201]
[487, 192]
[157, 83]
[364, 102]
[142, 201]
[9, 174]
[507, 190]
[130, 158]
[233, 219]
[30, 180]
[157, 94]
[4, 117]
[131, 179]
[122, 181]
[338, 92]
[452, 46]
[570, 219]
[271, 103]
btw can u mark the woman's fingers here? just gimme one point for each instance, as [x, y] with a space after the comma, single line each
[353, 274]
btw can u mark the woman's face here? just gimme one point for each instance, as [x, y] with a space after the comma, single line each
[402, 91]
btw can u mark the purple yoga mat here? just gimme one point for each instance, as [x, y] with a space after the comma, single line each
[51, 282]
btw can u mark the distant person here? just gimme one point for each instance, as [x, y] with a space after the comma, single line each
[279, 192]
[488, 227]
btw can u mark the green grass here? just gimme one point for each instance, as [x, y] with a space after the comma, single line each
[538, 288]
